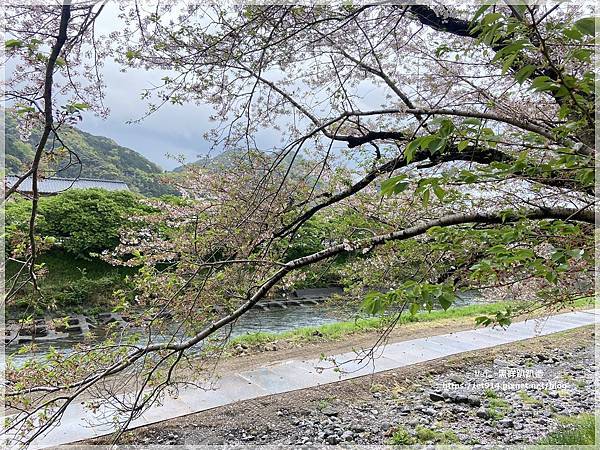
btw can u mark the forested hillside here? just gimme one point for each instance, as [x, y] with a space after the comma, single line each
[101, 157]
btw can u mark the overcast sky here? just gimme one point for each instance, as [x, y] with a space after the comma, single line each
[173, 130]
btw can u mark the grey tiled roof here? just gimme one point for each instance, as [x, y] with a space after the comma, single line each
[56, 185]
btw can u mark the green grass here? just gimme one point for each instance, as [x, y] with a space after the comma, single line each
[422, 435]
[336, 331]
[528, 399]
[490, 393]
[402, 437]
[62, 268]
[497, 408]
[574, 430]
[427, 436]
[71, 283]
[332, 331]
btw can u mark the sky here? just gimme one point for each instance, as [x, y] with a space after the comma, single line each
[174, 130]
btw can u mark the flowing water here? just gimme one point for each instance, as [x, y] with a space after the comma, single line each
[275, 320]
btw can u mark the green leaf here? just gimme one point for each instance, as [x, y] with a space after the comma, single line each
[542, 83]
[468, 177]
[572, 33]
[437, 145]
[562, 92]
[439, 192]
[426, 140]
[373, 303]
[524, 73]
[441, 50]
[462, 145]
[504, 321]
[479, 12]
[411, 149]
[472, 121]
[426, 196]
[414, 308]
[13, 43]
[446, 128]
[131, 54]
[491, 18]
[483, 320]
[78, 106]
[446, 301]
[511, 49]
[586, 26]
[583, 54]
[508, 63]
[551, 277]
[394, 185]
[576, 253]
[24, 109]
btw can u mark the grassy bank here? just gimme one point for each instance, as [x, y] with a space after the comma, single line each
[338, 330]
[71, 284]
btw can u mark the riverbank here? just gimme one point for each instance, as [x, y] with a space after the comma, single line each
[342, 336]
[449, 400]
[260, 349]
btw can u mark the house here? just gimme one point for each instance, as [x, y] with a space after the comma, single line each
[56, 185]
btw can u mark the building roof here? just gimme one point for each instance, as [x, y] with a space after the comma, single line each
[55, 185]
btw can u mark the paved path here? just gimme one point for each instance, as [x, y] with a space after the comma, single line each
[80, 423]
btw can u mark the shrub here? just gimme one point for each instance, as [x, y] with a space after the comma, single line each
[83, 291]
[427, 435]
[402, 437]
[80, 220]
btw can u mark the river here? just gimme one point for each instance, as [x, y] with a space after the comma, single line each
[275, 320]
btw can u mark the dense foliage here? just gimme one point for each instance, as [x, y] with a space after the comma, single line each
[69, 285]
[80, 221]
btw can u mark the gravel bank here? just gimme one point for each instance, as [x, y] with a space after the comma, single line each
[505, 395]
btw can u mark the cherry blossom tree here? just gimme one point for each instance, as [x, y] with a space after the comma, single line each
[467, 135]
[53, 54]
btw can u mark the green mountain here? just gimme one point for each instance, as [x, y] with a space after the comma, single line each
[101, 157]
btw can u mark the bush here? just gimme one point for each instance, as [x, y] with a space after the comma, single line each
[82, 221]
[70, 283]
[83, 291]
[402, 437]
[82, 294]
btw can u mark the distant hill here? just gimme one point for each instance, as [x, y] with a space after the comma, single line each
[101, 157]
[228, 158]
[215, 162]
